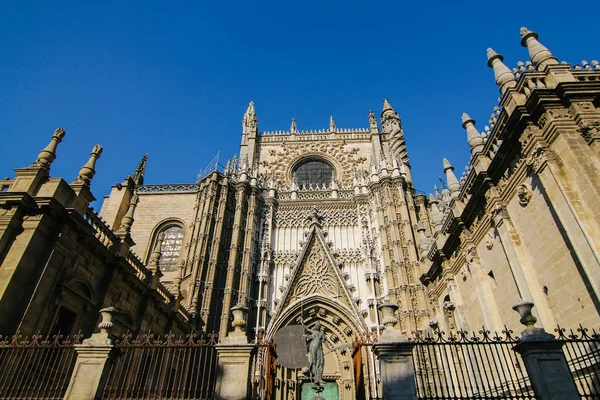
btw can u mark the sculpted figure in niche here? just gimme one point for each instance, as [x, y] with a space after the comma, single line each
[316, 356]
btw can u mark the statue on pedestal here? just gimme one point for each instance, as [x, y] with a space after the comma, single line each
[316, 362]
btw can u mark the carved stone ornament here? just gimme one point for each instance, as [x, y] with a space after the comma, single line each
[524, 194]
[537, 157]
[489, 241]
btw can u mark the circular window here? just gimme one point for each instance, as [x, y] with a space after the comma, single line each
[312, 172]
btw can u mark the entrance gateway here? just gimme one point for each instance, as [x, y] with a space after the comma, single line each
[292, 354]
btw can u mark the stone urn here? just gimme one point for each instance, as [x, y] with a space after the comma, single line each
[239, 313]
[387, 313]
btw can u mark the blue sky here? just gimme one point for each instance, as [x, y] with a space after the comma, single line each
[173, 79]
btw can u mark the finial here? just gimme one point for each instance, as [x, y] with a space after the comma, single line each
[474, 138]
[372, 122]
[453, 184]
[48, 154]
[539, 54]
[155, 256]
[250, 121]
[504, 76]
[87, 172]
[332, 127]
[127, 221]
[138, 175]
[250, 109]
[293, 127]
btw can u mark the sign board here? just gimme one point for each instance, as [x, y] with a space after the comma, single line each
[291, 347]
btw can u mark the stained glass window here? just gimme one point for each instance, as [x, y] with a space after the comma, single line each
[171, 247]
[313, 172]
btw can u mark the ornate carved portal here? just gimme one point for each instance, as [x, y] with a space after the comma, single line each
[317, 291]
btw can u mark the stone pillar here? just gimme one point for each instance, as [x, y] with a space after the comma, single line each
[544, 359]
[233, 371]
[395, 360]
[91, 367]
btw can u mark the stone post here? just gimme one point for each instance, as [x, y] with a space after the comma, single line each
[395, 359]
[234, 360]
[91, 367]
[544, 359]
[233, 371]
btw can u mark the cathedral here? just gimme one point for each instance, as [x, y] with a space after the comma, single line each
[326, 224]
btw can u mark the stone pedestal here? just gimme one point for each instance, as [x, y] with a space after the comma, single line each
[397, 369]
[90, 371]
[233, 371]
[547, 368]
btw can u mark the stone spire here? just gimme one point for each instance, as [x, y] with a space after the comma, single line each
[332, 127]
[48, 155]
[250, 121]
[474, 138]
[392, 126]
[372, 122]
[539, 54]
[504, 77]
[453, 185]
[87, 172]
[140, 171]
[293, 127]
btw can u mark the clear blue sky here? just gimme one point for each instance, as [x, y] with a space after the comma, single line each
[173, 79]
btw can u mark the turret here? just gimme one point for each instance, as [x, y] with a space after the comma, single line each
[539, 54]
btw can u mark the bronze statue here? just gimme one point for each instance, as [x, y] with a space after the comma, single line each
[315, 350]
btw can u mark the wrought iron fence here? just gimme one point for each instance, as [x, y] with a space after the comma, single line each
[462, 365]
[163, 368]
[582, 351]
[36, 368]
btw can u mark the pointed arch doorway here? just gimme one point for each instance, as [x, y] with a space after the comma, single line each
[344, 378]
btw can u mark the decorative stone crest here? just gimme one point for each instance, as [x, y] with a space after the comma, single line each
[489, 241]
[524, 194]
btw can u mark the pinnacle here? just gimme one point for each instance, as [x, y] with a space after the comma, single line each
[250, 109]
[447, 164]
[526, 32]
[465, 118]
[491, 53]
[387, 105]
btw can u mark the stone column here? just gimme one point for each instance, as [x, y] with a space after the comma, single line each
[233, 371]
[91, 367]
[544, 359]
[395, 359]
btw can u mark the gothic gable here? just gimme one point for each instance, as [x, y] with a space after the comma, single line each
[316, 273]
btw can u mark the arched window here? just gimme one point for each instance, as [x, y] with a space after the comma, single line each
[171, 246]
[313, 172]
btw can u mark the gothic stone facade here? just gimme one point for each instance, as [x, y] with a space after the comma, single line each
[327, 224]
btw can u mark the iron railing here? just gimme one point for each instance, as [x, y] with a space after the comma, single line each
[470, 366]
[582, 351]
[151, 367]
[36, 368]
